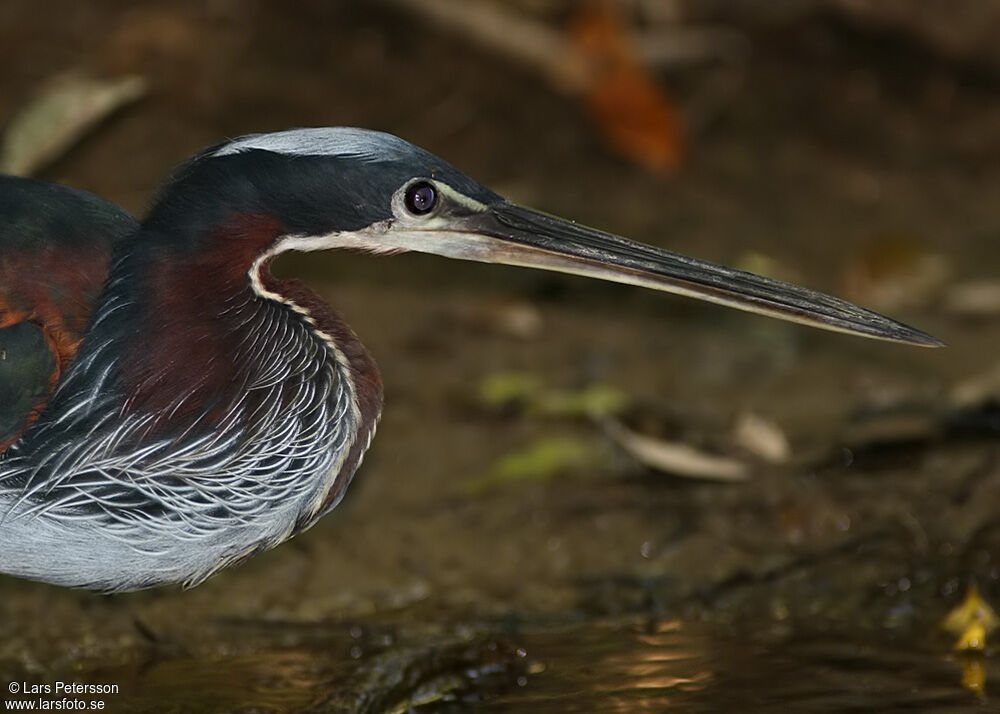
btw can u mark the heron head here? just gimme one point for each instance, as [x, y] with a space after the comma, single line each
[348, 188]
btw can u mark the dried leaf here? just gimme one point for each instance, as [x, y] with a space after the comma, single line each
[676, 458]
[632, 110]
[762, 438]
[516, 319]
[973, 609]
[977, 389]
[65, 110]
[599, 59]
[519, 320]
[971, 620]
[979, 298]
[972, 638]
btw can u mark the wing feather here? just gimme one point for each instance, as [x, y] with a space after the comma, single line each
[56, 247]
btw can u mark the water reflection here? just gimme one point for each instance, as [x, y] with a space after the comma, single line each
[614, 665]
[685, 667]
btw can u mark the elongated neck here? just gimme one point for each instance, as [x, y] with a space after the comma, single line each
[203, 313]
[196, 314]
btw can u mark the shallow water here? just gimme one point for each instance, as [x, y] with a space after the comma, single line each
[617, 665]
[674, 666]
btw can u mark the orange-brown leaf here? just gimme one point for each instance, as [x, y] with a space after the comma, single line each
[633, 112]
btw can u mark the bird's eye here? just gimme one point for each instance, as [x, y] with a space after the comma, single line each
[420, 198]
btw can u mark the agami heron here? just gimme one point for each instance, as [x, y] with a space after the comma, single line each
[173, 408]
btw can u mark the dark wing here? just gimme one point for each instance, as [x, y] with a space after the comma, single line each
[56, 245]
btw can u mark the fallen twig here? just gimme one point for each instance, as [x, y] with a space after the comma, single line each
[66, 109]
[675, 458]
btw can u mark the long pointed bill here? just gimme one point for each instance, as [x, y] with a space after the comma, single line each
[509, 234]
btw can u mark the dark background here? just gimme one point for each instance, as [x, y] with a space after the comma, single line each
[849, 146]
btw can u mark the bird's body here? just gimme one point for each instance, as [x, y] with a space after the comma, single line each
[178, 408]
